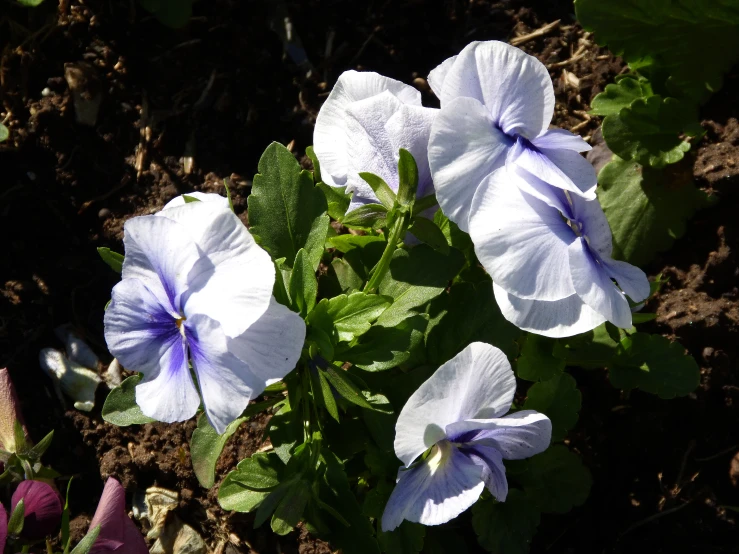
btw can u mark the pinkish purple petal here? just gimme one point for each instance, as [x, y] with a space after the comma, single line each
[117, 532]
[3, 528]
[43, 509]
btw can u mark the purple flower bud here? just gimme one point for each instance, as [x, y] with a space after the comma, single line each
[43, 509]
[117, 532]
[10, 412]
[3, 528]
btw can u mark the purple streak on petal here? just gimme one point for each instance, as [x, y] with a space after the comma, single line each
[43, 509]
[138, 329]
[436, 491]
[493, 470]
[3, 528]
[10, 412]
[117, 532]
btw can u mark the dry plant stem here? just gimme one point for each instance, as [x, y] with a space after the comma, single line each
[535, 34]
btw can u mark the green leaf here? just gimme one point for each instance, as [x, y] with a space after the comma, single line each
[372, 216]
[189, 199]
[646, 209]
[260, 472]
[29, 4]
[505, 527]
[41, 447]
[654, 364]
[559, 399]
[120, 406]
[303, 284]
[348, 279]
[285, 430]
[4, 132]
[311, 153]
[416, 277]
[674, 37]
[172, 13]
[407, 178]
[384, 193]
[647, 131]
[290, 509]
[284, 205]
[322, 389]
[113, 259]
[426, 231]
[620, 95]
[347, 243]
[591, 350]
[236, 497]
[454, 235]
[65, 519]
[381, 422]
[206, 446]
[383, 348]
[556, 480]
[345, 386]
[405, 539]
[316, 242]
[337, 199]
[17, 518]
[87, 542]
[468, 313]
[537, 363]
[351, 315]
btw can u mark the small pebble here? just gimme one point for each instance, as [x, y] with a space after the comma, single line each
[104, 213]
[46, 92]
[421, 84]
[707, 353]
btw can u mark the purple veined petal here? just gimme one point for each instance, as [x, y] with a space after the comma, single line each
[593, 224]
[515, 88]
[169, 394]
[493, 470]
[117, 532]
[564, 169]
[437, 76]
[272, 345]
[559, 139]
[477, 383]
[435, 491]
[329, 137]
[559, 318]
[369, 147]
[464, 148]
[410, 128]
[3, 528]
[160, 253]
[227, 383]
[516, 436]
[178, 201]
[232, 281]
[632, 280]
[43, 509]
[521, 241]
[138, 329]
[10, 412]
[594, 285]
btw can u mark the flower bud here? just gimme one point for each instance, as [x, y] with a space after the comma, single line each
[10, 412]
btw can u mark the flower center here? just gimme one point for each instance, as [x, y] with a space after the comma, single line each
[437, 455]
[178, 322]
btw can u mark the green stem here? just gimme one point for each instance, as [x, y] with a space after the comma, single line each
[398, 230]
[305, 382]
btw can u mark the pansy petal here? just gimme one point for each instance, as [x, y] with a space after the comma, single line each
[594, 224]
[493, 470]
[477, 383]
[133, 539]
[564, 169]
[227, 383]
[435, 491]
[178, 201]
[157, 250]
[369, 147]
[464, 148]
[521, 241]
[232, 282]
[559, 318]
[594, 286]
[3, 528]
[437, 76]
[516, 436]
[559, 139]
[410, 128]
[272, 345]
[516, 88]
[169, 394]
[138, 330]
[329, 136]
[632, 280]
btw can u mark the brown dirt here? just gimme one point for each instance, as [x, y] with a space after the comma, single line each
[221, 91]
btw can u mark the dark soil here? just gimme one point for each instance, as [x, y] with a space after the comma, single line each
[219, 92]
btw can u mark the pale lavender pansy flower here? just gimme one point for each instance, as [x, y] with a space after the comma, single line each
[196, 287]
[363, 124]
[496, 106]
[459, 414]
[117, 532]
[549, 254]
